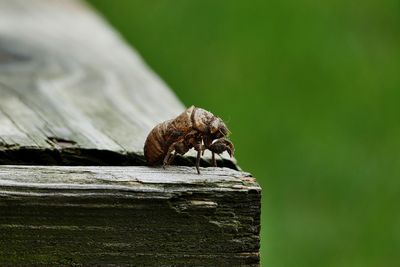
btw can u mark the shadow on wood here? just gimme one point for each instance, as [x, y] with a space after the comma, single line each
[73, 93]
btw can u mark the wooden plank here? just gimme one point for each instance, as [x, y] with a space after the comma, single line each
[73, 93]
[131, 216]
[71, 90]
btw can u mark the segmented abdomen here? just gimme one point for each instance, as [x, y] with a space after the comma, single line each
[156, 147]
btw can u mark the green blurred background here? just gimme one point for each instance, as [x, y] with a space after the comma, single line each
[311, 92]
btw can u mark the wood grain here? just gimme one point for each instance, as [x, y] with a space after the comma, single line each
[72, 91]
[130, 216]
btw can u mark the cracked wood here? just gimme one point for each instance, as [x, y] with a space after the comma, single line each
[133, 216]
[72, 91]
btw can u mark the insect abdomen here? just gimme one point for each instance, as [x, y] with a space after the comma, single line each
[155, 146]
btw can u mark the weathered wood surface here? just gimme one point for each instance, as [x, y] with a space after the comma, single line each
[71, 91]
[137, 216]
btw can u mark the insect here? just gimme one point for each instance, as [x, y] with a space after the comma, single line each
[194, 128]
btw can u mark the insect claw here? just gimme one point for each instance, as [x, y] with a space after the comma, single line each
[230, 152]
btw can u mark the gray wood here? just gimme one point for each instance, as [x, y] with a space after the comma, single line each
[73, 93]
[135, 216]
[70, 87]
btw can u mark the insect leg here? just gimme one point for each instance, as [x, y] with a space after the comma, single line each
[180, 148]
[198, 161]
[168, 155]
[221, 145]
[214, 161]
[199, 147]
[171, 158]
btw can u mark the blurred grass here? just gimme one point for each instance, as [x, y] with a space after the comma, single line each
[311, 91]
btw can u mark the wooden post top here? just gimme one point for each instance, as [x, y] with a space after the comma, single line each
[72, 91]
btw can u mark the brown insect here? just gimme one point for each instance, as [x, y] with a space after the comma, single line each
[194, 128]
